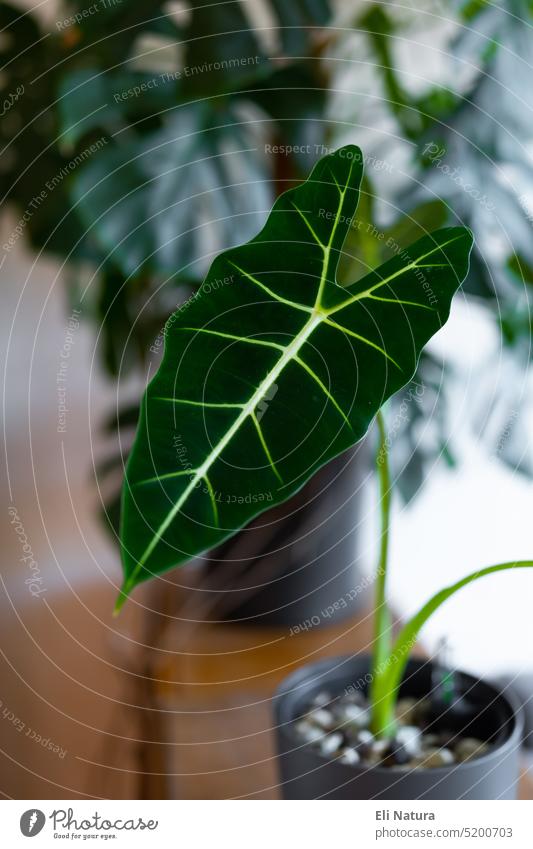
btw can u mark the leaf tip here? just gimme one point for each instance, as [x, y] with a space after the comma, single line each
[121, 599]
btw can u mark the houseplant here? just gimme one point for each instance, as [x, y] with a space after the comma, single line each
[449, 736]
[127, 113]
[107, 108]
[272, 370]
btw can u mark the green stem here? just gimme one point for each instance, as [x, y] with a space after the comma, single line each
[382, 620]
[387, 692]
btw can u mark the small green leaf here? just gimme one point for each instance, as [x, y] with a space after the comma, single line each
[274, 369]
[385, 694]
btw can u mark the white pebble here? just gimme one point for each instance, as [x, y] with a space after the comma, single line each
[309, 733]
[322, 718]
[355, 715]
[321, 699]
[380, 746]
[446, 756]
[365, 737]
[331, 744]
[350, 757]
[409, 738]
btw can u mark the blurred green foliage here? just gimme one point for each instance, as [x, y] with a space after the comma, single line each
[165, 131]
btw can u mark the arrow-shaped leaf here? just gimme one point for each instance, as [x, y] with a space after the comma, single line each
[274, 369]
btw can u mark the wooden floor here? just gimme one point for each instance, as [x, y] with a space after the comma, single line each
[220, 740]
[171, 710]
[220, 720]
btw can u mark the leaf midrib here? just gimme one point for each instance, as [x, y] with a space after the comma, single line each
[317, 315]
[199, 474]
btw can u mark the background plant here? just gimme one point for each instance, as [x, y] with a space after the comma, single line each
[194, 146]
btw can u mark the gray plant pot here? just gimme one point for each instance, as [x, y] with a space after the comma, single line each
[297, 564]
[305, 774]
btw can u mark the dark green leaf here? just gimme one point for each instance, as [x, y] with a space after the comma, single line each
[274, 369]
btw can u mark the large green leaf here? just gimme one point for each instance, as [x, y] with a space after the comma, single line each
[274, 369]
